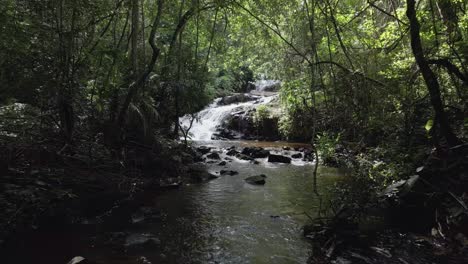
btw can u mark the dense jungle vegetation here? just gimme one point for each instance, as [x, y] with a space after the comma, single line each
[90, 88]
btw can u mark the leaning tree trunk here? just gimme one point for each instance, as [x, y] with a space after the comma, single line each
[135, 86]
[429, 77]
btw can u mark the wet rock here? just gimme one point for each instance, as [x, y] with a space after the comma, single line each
[243, 157]
[256, 152]
[286, 148]
[236, 98]
[279, 159]
[141, 241]
[199, 174]
[308, 155]
[198, 158]
[256, 180]
[213, 155]
[222, 163]
[78, 260]
[232, 152]
[296, 156]
[228, 172]
[224, 133]
[256, 162]
[203, 149]
[270, 87]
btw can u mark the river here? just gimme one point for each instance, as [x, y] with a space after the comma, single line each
[225, 220]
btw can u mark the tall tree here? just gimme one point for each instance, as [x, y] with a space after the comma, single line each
[429, 76]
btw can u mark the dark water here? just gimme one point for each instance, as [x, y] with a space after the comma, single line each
[223, 221]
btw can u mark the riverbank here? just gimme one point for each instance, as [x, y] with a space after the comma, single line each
[43, 188]
[418, 220]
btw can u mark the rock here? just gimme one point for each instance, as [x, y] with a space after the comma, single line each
[228, 172]
[236, 98]
[272, 86]
[256, 152]
[203, 149]
[279, 158]
[199, 174]
[232, 152]
[286, 148]
[198, 158]
[256, 180]
[222, 163]
[79, 260]
[308, 155]
[256, 162]
[243, 157]
[224, 133]
[296, 156]
[400, 188]
[213, 155]
[141, 241]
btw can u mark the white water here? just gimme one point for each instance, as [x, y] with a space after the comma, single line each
[260, 85]
[213, 115]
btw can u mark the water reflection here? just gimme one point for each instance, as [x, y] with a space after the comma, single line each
[230, 221]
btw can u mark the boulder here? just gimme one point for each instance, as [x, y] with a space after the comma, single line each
[279, 159]
[308, 155]
[256, 152]
[243, 157]
[78, 260]
[222, 163]
[256, 180]
[141, 241]
[296, 156]
[224, 133]
[203, 149]
[232, 152]
[213, 155]
[236, 98]
[199, 174]
[228, 172]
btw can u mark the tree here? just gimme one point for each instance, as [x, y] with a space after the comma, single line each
[430, 78]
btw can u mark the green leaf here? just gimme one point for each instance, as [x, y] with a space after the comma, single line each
[429, 125]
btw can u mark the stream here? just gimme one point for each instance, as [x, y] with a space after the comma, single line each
[225, 220]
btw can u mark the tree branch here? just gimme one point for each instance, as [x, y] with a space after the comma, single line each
[451, 68]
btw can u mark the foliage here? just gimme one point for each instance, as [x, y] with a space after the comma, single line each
[261, 114]
[326, 144]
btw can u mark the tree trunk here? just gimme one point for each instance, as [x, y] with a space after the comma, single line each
[429, 77]
[134, 50]
[134, 87]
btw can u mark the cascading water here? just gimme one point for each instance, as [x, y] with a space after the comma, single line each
[213, 115]
[267, 85]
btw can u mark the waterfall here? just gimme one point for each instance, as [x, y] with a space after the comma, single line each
[213, 115]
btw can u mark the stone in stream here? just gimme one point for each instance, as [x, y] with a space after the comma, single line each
[256, 152]
[199, 174]
[256, 180]
[232, 152]
[203, 149]
[279, 158]
[213, 155]
[78, 260]
[228, 172]
[296, 156]
[141, 241]
[236, 98]
[243, 157]
[222, 163]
